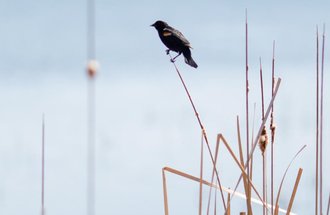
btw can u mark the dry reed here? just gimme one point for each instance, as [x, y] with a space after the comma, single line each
[272, 128]
[248, 203]
[247, 108]
[252, 139]
[228, 204]
[201, 178]
[321, 123]
[212, 178]
[284, 175]
[263, 142]
[260, 129]
[317, 125]
[202, 128]
[245, 167]
[294, 191]
[328, 208]
[196, 179]
[242, 170]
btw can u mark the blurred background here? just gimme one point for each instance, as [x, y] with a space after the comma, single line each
[143, 118]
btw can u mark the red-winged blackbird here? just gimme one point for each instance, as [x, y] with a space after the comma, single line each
[175, 41]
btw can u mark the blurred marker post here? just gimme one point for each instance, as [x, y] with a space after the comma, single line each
[92, 67]
[43, 167]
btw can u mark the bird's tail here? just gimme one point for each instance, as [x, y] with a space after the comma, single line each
[188, 59]
[191, 62]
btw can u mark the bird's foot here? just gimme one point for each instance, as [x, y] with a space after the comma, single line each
[173, 59]
[167, 51]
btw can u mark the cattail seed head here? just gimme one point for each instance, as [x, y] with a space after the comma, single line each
[273, 126]
[263, 140]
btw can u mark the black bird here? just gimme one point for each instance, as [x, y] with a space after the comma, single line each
[174, 41]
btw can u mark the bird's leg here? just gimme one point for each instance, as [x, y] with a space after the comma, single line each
[167, 51]
[173, 59]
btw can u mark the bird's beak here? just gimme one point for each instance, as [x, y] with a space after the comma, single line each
[153, 25]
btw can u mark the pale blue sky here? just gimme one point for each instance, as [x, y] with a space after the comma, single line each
[144, 121]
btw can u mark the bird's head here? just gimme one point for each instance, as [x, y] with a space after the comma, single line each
[159, 25]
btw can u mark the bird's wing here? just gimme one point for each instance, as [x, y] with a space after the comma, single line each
[169, 31]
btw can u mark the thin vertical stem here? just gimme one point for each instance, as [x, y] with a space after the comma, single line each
[317, 125]
[201, 179]
[247, 90]
[272, 132]
[43, 167]
[245, 182]
[321, 125]
[264, 181]
[264, 155]
[262, 92]
[203, 130]
[278, 83]
[215, 203]
[212, 178]
[328, 208]
[165, 192]
[247, 104]
[252, 140]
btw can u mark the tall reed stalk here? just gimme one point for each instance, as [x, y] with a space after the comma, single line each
[202, 128]
[272, 128]
[317, 126]
[247, 109]
[263, 144]
[321, 123]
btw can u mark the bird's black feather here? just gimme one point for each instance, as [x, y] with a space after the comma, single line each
[174, 41]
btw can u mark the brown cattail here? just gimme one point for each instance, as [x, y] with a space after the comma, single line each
[263, 140]
[92, 68]
[273, 128]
